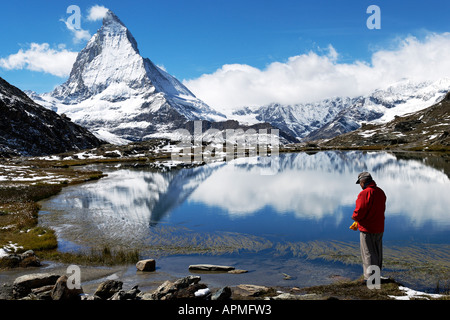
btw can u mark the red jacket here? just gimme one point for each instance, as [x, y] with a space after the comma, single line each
[369, 210]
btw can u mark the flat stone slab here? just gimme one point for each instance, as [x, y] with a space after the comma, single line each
[210, 267]
[36, 280]
[251, 290]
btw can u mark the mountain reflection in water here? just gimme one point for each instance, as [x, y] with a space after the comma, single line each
[311, 197]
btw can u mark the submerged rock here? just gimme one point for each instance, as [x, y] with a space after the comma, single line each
[210, 267]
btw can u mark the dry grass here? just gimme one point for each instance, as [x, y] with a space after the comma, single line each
[356, 289]
[19, 196]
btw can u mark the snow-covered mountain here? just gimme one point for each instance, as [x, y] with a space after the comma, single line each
[426, 129]
[332, 117]
[121, 96]
[298, 120]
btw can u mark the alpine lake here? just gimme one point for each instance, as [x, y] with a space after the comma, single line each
[286, 221]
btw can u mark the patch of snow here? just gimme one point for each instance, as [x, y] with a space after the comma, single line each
[368, 133]
[110, 137]
[202, 292]
[10, 247]
[413, 294]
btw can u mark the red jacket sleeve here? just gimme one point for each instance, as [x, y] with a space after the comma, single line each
[362, 206]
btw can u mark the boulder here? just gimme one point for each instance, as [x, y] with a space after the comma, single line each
[108, 288]
[23, 285]
[61, 291]
[222, 294]
[29, 259]
[251, 290]
[146, 265]
[188, 292]
[129, 295]
[181, 288]
[210, 267]
[43, 293]
[23, 260]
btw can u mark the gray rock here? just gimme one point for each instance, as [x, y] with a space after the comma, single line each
[222, 294]
[6, 291]
[210, 267]
[43, 293]
[23, 260]
[290, 296]
[61, 291]
[145, 296]
[23, 285]
[251, 290]
[129, 295]
[238, 271]
[170, 290]
[108, 288]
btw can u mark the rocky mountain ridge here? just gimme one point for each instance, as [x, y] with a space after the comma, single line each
[427, 129]
[27, 128]
[335, 116]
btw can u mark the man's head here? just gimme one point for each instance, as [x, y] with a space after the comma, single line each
[363, 179]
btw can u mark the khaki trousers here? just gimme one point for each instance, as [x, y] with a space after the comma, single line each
[371, 245]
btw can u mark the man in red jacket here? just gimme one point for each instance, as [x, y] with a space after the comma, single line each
[369, 213]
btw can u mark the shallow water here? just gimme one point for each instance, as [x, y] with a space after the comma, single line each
[275, 222]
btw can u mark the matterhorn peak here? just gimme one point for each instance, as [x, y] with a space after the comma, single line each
[113, 89]
[111, 18]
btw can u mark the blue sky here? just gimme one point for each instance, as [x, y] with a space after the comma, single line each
[194, 39]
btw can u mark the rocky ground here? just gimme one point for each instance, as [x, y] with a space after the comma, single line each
[58, 285]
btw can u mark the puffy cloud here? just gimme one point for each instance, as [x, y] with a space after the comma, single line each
[73, 23]
[94, 13]
[311, 76]
[42, 58]
[79, 34]
[97, 13]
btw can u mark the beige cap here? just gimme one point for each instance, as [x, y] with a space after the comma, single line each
[363, 175]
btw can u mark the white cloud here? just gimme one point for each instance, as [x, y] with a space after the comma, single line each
[79, 34]
[312, 76]
[41, 58]
[94, 13]
[97, 13]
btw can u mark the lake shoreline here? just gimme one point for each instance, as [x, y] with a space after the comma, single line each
[339, 288]
[69, 168]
